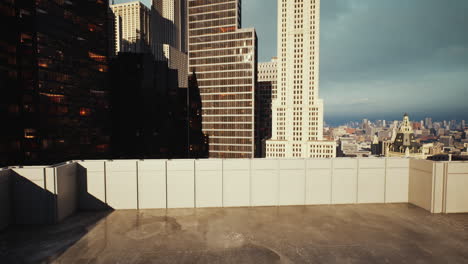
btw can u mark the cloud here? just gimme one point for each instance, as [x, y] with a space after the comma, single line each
[399, 54]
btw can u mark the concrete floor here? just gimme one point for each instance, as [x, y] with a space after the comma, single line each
[313, 234]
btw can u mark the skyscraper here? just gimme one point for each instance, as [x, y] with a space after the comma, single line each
[297, 109]
[10, 135]
[132, 27]
[169, 35]
[267, 76]
[55, 99]
[224, 57]
[148, 109]
[171, 23]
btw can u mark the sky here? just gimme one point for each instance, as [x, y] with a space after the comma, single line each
[380, 58]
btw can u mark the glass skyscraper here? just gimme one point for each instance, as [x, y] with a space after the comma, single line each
[54, 101]
[224, 57]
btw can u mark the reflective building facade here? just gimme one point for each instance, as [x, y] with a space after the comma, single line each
[224, 58]
[53, 81]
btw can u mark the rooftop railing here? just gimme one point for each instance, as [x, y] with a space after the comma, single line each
[49, 194]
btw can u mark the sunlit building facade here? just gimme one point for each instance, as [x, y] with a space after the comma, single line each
[169, 42]
[132, 27]
[55, 98]
[224, 57]
[297, 130]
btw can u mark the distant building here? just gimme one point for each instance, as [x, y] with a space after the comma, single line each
[376, 146]
[264, 94]
[403, 142]
[170, 23]
[132, 27]
[446, 140]
[432, 148]
[448, 157]
[348, 147]
[428, 122]
[169, 35]
[405, 139]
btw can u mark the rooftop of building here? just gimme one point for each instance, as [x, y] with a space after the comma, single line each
[397, 233]
[338, 210]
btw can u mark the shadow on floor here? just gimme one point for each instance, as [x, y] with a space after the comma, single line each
[33, 235]
[44, 244]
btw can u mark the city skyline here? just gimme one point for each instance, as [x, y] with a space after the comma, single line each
[420, 67]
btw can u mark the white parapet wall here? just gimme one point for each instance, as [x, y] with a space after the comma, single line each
[209, 183]
[5, 198]
[66, 190]
[43, 194]
[50, 194]
[421, 190]
[236, 183]
[396, 179]
[439, 187]
[32, 200]
[122, 184]
[456, 187]
[180, 180]
[152, 184]
[146, 184]
[92, 185]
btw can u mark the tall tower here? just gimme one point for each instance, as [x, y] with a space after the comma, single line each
[405, 138]
[224, 57]
[169, 23]
[297, 109]
[132, 27]
[54, 101]
[172, 29]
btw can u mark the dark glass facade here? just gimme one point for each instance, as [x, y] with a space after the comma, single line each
[225, 60]
[151, 116]
[198, 141]
[53, 68]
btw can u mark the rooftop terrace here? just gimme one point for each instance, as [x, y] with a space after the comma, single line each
[394, 233]
[235, 211]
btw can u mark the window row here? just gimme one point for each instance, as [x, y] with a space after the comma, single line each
[225, 82]
[227, 126]
[223, 97]
[213, 8]
[228, 104]
[222, 37]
